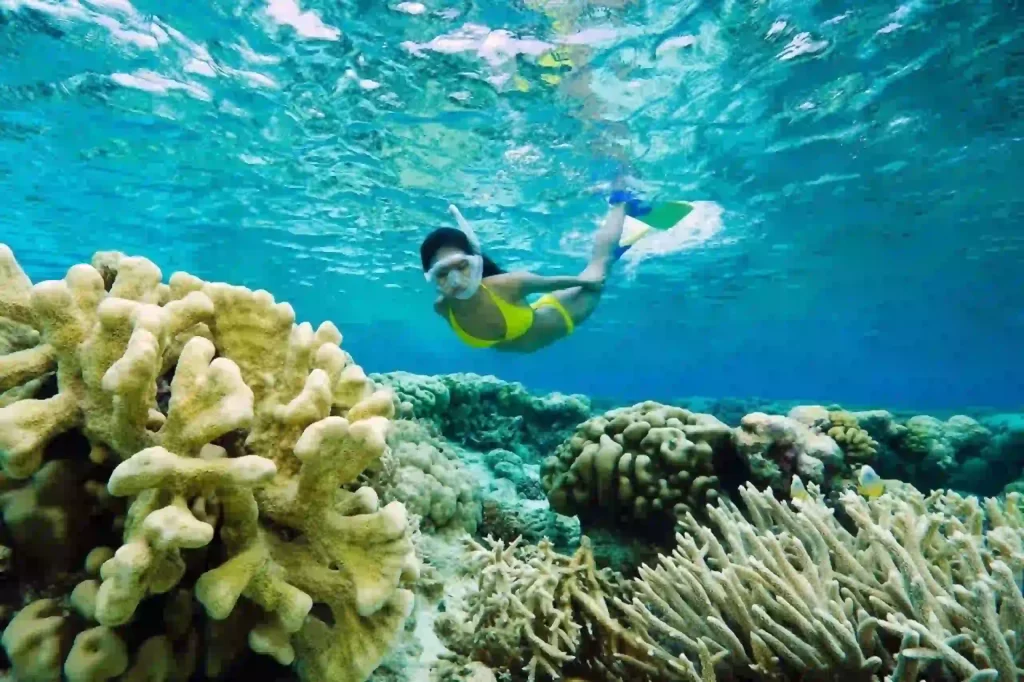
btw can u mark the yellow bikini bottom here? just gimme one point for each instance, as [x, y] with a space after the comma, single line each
[518, 319]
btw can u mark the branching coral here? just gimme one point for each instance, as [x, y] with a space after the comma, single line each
[536, 611]
[645, 461]
[264, 423]
[792, 594]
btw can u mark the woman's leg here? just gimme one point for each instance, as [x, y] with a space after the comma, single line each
[579, 302]
[549, 323]
[606, 241]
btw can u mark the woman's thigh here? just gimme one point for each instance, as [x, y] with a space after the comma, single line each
[580, 304]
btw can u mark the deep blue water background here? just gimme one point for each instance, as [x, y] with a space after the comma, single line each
[872, 250]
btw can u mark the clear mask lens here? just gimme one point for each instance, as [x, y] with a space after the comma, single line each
[445, 267]
[458, 273]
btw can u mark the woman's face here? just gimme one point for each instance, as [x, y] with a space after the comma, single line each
[455, 273]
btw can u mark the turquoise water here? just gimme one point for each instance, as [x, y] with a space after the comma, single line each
[866, 159]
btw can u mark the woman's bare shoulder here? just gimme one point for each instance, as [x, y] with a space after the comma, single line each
[507, 284]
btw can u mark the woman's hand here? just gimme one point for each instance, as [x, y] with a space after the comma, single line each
[591, 281]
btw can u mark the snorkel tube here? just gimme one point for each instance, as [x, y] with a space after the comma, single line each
[466, 228]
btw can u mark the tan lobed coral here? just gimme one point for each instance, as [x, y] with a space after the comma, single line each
[857, 444]
[923, 584]
[230, 431]
[644, 461]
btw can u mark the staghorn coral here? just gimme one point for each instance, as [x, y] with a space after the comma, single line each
[535, 612]
[230, 432]
[647, 461]
[920, 584]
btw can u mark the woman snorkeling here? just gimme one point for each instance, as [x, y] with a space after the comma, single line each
[487, 307]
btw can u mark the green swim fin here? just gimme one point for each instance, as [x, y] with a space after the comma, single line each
[666, 215]
[663, 216]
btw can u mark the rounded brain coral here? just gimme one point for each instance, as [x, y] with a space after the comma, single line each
[647, 461]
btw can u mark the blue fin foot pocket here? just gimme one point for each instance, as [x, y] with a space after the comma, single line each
[635, 207]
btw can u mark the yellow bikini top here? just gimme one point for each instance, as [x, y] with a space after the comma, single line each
[518, 320]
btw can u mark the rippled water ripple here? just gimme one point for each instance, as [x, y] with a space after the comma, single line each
[867, 157]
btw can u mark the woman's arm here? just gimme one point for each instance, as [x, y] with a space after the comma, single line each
[526, 283]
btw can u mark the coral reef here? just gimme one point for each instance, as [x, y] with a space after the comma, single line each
[534, 612]
[960, 452]
[777, 448]
[788, 593]
[646, 461]
[470, 671]
[901, 587]
[506, 519]
[196, 442]
[1007, 450]
[732, 410]
[484, 412]
[827, 446]
[857, 444]
[930, 449]
[510, 466]
[195, 487]
[430, 480]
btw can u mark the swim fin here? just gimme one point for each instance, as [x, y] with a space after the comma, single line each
[662, 216]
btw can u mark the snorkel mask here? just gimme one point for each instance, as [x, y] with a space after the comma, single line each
[460, 274]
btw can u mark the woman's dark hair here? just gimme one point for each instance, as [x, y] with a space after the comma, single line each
[450, 237]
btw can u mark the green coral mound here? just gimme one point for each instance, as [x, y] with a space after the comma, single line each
[484, 412]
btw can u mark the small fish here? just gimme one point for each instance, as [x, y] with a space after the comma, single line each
[869, 484]
[797, 491]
